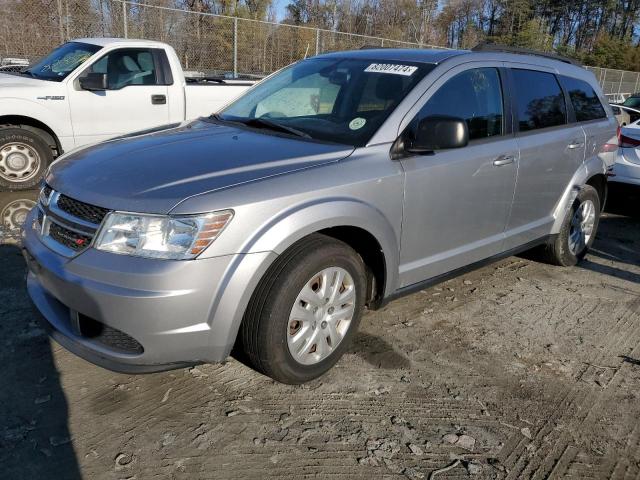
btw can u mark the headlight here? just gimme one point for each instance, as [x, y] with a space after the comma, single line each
[161, 236]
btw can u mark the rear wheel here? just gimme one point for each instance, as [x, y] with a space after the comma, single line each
[24, 158]
[578, 230]
[305, 311]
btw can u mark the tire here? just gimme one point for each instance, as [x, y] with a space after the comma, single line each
[24, 158]
[561, 250]
[14, 208]
[270, 325]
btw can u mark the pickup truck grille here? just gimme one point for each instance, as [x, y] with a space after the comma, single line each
[66, 225]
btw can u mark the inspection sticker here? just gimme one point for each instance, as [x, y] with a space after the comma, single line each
[406, 70]
[357, 123]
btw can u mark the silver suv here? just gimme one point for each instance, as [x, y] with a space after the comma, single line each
[338, 183]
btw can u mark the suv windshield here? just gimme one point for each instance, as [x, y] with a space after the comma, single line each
[342, 100]
[62, 61]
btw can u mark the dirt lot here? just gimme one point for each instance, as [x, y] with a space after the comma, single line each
[518, 370]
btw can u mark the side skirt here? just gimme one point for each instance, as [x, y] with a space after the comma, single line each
[416, 287]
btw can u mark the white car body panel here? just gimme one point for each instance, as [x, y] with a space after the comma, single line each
[627, 166]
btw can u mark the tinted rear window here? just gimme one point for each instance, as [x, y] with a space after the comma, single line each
[584, 99]
[539, 100]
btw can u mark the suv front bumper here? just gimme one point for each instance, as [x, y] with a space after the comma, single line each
[137, 315]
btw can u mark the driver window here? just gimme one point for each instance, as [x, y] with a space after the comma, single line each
[310, 95]
[131, 66]
[473, 95]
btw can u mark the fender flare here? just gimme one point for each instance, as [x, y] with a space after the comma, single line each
[276, 236]
[591, 167]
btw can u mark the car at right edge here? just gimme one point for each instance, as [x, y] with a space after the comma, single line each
[627, 167]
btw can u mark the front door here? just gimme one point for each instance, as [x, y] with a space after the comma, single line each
[135, 99]
[457, 201]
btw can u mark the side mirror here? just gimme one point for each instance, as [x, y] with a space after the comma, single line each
[438, 132]
[94, 81]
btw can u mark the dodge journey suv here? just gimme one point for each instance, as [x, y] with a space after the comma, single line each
[338, 183]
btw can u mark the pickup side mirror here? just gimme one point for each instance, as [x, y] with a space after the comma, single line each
[438, 132]
[94, 81]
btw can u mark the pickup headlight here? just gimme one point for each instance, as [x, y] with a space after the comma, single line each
[161, 236]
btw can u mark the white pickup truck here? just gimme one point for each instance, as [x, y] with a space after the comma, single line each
[93, 89]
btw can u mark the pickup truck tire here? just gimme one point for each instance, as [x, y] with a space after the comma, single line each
[294, 340]
[578, 230]
[24, 158]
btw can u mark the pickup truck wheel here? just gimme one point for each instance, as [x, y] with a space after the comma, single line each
[13, 215]
[24, 158]
[578, 230]
[305, 311]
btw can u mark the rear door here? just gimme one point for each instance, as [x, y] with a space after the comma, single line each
[589, 112]
[457, 201]
[136, 98]
[551, 150]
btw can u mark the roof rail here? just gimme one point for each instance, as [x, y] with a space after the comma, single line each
[495, 47]
[372, 47]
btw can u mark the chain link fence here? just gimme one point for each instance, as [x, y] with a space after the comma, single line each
[616, 84]
[205, 42]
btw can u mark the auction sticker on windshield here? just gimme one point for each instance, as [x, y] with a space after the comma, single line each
[395, 69]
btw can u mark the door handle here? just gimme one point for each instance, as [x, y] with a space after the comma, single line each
[503, 160]
[575, 144]
[158, 99]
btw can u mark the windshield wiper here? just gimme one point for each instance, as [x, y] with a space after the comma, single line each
[262, 123]
[271, 125]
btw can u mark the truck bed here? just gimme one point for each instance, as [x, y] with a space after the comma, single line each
[205, 97]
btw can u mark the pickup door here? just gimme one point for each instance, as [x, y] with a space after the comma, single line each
[136, 97]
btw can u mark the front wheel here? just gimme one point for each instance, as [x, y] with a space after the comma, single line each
[24, 158]
[578, 230]
[305, 311]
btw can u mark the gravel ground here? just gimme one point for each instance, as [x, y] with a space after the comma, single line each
[517, 370]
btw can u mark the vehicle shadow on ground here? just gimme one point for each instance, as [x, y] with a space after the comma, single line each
[378, 352]
[617, 240]
[35, 440]
[624, 200]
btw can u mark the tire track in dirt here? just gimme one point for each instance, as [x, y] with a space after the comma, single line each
[583, 405]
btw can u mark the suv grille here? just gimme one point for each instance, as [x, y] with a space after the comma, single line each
[67, 226]
[82, 210]
[70, 239]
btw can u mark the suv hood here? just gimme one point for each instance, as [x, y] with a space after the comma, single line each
[152, 172]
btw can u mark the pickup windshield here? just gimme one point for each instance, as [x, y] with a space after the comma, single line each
[62, 61]
[341, 100]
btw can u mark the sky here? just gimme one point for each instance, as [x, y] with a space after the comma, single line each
[280, 7]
